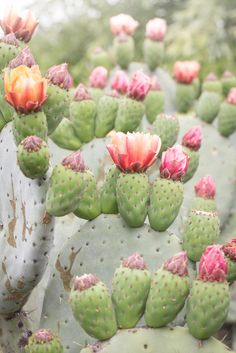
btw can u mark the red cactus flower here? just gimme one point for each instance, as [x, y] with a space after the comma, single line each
[134, 152]
[186, 71]
[99, 77]
[81, 93]
[139, 86]
[174, 163]
[156, 29]
[213, 266]
[123, 24]
[193, 138]
[231, 99]
[178, 264]
[205, 187]
[120, 82]
[59, 75]
[229, 250]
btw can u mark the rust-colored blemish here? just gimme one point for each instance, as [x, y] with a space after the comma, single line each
[66, 275]
[14, 293]
[47, 218]
[25, 227]
[12, 224]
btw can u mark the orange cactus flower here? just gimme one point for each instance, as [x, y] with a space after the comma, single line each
[25, 88]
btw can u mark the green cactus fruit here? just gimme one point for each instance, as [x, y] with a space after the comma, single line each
[132, 193]
[208, 106]
[166, 197]
[7, 52]
[106, 115]
[91, 304]
[33, 157]
[207, 205]
[123, 46]
[228, 83]
[185, 94]
[231, 277]
[130, 288]
[96, 93]
[154, 104]
[43, 341]
[168, 292]
[212, 86]
[65, 137]
[89, 206]
[56, 106]
[65, 186]
[227, 119]
[192, 165]
[167, 127]
[153, 53]
[82, 114]
[197, 87]
[28, 125]
[100, 57]
[129, 114]
[229, 251]
[108, 191]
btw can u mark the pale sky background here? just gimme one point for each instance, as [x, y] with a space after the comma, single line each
[20, 4]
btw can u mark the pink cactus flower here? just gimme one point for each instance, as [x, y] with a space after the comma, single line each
[120, 82]
[25, 57]
[174, 163]
[135, 261]
[193, 138]
[85, 282]
[227, 74]
[74, 162]
[81, 93]
[139, 86]
[231, 99]
[43, 336]
[134, 152]
[205, 187]
[156, 29]
[186, 71]
[213, 267]
[59, 75]
[123, 24]
[211, 77]
[98, 77]
[178, 264]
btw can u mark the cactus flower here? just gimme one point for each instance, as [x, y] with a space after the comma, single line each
[231, 99]
[25, 57]
[10, 39]
[155, 85]
[32, 143]
[74, 162]
[120, 82]
[85, 282]
[25, 88]
[227, 74]
[81, 93]
[178, 264]
[59, 75]
[43, 336]
[186, 71]
[193, 138]
[98, 77]
[205, 187]
[174, 163]
[123, 24]
[135, 261]
[211, 77]
[134, 152]
[22, 26]
[229, 250]
[156, 29]
[139, 86]
[213, 266]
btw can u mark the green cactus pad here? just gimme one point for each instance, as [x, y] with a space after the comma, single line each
[129, 114]
[108, 191]
[89, 203]
[29, 124]
[93, 309]
[64, 192]
[7, 53]
[132, 194]
[2, 123]
[123, 51]
[212, 86]
[96, 93]
[65, 137]
[192, 165]
[185, 94]
[208, 106]
[106, 115]
[154, 104]
[227, 119]
[82, 115]
[166, 298]
[56, 106]
[227, 84]
[153, 53]
[197, 87]
[231, 277]
[200, 230]
[130, 289]
[208, 205]
[167, 127]
[166, 197]
[207, 308]
[7, 111]
[38, 346]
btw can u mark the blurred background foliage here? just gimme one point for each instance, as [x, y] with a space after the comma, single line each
[70, 30]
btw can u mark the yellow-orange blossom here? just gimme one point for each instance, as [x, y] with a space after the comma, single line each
[25, 88]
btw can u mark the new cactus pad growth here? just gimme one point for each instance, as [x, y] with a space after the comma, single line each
[43, 341]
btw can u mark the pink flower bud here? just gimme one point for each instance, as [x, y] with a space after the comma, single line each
[205, 188]
[120, 82]
[123, 24]
[134, 152]
[98, 77]
[211, 77]
[32, 143]
[156, 29]
[10, 39]
[81, 93]
[231, 99]
[85, 282]
[59, 75]
[74, 162]
[193, 138]
[23, 58]
[227, 74]
[139, 86]
[177, 264]
[135, 261]
[186, 71]
[229, 250]
[43, 336]
[174, 163]
[213, 266]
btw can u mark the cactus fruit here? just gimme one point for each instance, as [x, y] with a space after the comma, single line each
[197, 87]
[108, 191]
[130, 288]
[227, 115]
[98, 81]
[208, 106]
[91, 304]
[208, 302]
[205, 190]
[123, 46]
[228, 81]
[184, 97]
[153, 53]
[106, 114]
[43, 341]
[100, 57]
[166, 193]
[167, 127]
[82, 114]
[33, 157]
[9, 48]
[212, 84]
[154, 102]
[191, 141]
[168, 292]
[65, 137]
[229, 251]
